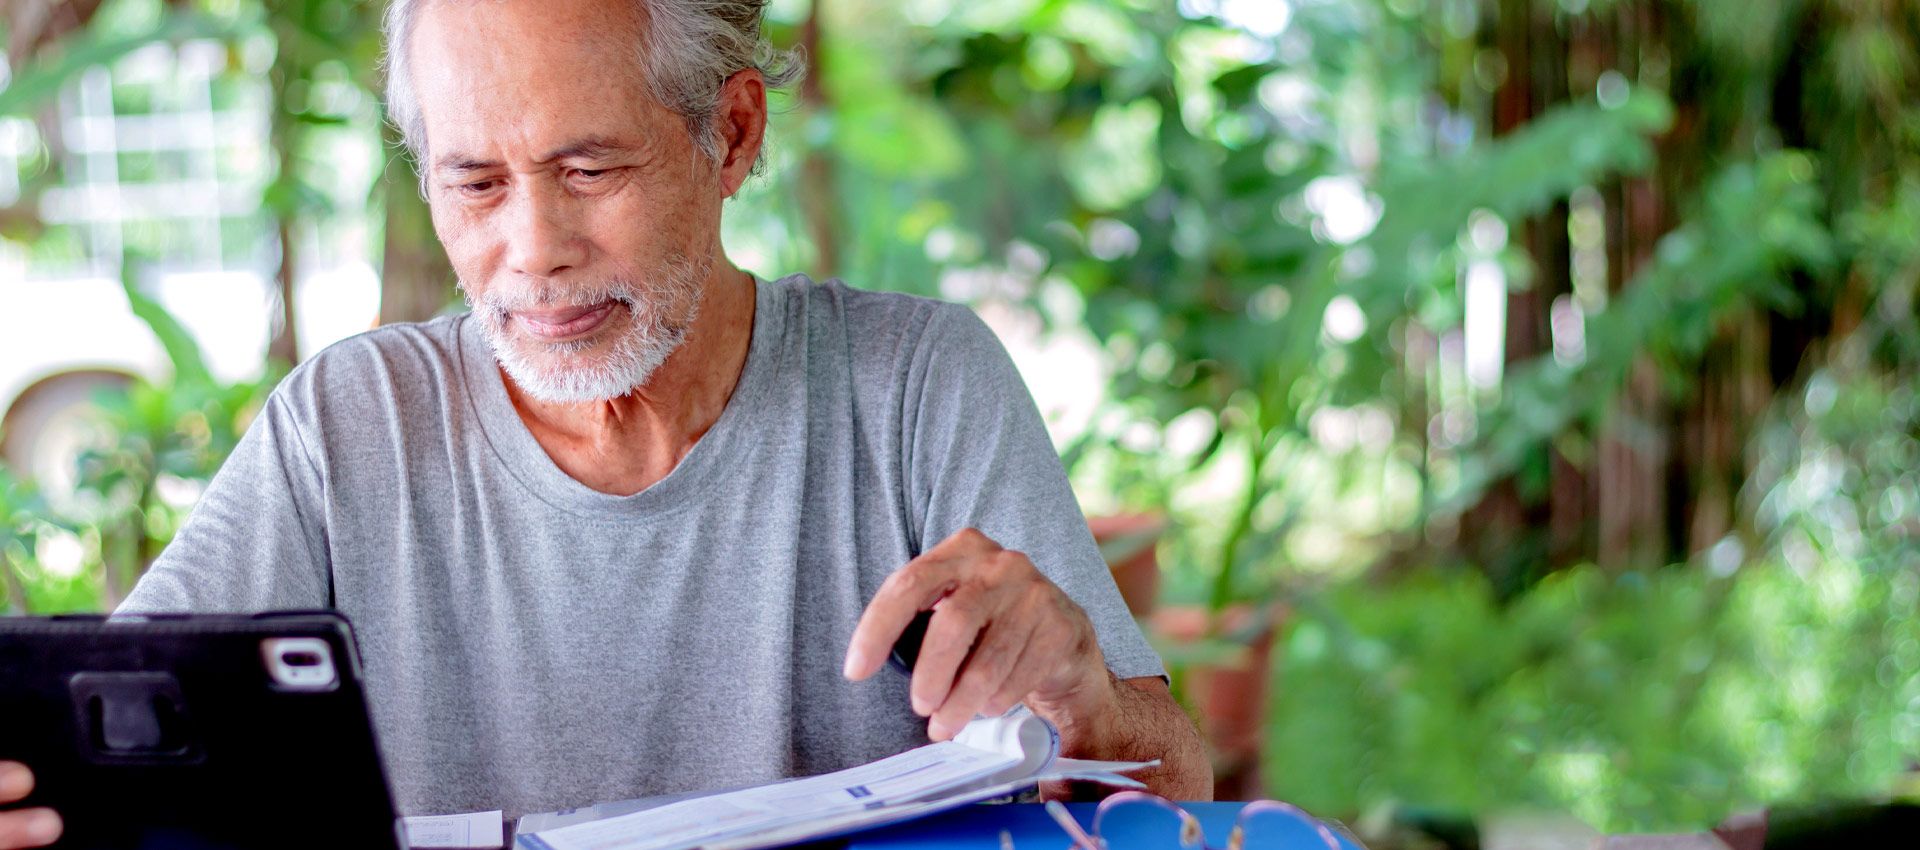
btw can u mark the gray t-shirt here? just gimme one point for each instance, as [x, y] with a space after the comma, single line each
[531, 644]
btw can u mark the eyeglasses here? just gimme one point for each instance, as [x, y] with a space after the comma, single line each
[1134, 820]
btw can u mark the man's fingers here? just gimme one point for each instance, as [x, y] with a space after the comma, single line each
[956, 624]
[992, 660]
[16, 781]
[999, 656]
[1046, 650]
[1019, 681]
[28, 828]
[910, 590]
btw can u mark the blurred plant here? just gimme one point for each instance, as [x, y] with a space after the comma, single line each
[20, 510]
[1719, 263]
[1645, 701]
[148, 452]
[1276, 226]
[320, 85]
[323, 80]
[55, 60]
[1837, 465]
[1249, 258]
[1650, 701]
[156, 446]
[29, 528]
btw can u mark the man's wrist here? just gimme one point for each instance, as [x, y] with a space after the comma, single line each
[1085, 715]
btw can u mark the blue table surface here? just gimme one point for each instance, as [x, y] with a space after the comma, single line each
[978, 827]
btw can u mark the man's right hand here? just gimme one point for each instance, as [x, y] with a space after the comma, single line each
[24, 827]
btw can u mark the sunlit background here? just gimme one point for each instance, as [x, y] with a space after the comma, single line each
[1487, 404]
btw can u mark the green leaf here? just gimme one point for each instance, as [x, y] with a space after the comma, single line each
[183, 351]
[41, 80]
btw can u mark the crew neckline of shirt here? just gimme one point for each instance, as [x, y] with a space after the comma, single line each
[515, 447]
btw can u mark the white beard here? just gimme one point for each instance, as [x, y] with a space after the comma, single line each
[659, 313]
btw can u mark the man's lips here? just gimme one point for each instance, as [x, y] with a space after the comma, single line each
[564, 322]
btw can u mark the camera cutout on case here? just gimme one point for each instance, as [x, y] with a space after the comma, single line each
[300, 664]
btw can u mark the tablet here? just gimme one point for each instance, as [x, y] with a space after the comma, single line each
[195, 732]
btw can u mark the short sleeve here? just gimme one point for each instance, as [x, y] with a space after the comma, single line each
[978, 456]
[255, 541]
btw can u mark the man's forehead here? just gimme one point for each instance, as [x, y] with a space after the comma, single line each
[546, 80]
[501, 42]
[620, 18]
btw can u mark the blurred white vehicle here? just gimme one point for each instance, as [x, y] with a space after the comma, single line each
[62, 342]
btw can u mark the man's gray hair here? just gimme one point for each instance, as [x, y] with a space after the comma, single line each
[690, 49]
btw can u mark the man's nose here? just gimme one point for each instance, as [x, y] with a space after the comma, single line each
[544, 238]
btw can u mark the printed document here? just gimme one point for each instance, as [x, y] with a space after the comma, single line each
[991, 757]
[478, 829]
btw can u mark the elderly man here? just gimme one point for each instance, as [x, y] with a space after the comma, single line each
[640, 522]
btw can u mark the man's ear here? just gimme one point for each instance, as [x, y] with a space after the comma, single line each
[742, 125]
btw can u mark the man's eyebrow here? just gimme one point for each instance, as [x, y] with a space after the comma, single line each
[462, 164]
[587, 148]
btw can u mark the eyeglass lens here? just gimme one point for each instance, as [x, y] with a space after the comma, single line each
[1274, 826]
[1147, 825]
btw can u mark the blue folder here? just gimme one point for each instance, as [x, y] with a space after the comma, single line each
[978, 827]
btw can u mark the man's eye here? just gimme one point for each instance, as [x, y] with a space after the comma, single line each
[478, 186]
[589, 173]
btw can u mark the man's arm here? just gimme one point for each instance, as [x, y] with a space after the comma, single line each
[1133, 720]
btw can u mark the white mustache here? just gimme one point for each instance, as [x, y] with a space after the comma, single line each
[548, 297]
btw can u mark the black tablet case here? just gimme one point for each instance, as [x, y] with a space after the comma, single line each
[247, 764]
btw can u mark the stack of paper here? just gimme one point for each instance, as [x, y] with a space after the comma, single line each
[989, 758]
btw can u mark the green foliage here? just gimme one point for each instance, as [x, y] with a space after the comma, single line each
[1722, 261]
[1427, 203]
[1837, 465]
[26, 521]
[153, 447]
[1658, 701]
[149, 451]
[1177, 226]
[175, 432]
[1132, 176]
[20, 510]
[38, 82]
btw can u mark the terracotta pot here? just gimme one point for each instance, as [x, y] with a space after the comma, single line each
[1229, 697]
[1131, 543]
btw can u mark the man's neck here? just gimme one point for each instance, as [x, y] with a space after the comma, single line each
[622, 446]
